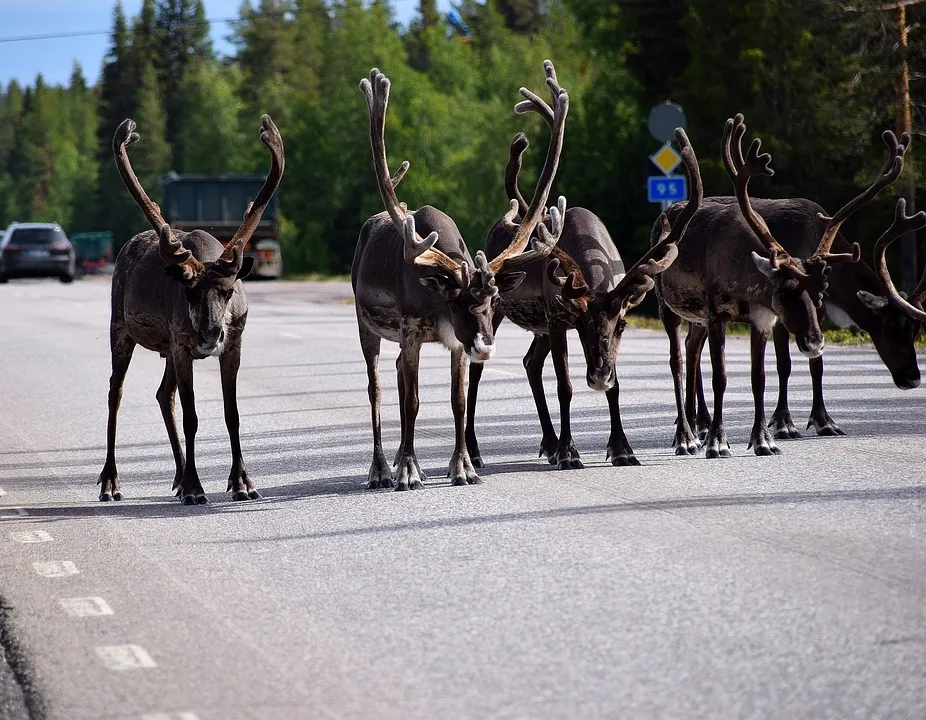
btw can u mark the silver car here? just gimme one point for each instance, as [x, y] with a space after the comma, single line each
[36, 250]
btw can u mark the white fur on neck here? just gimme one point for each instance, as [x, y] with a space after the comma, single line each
[839, 316]
[762, 318]
[447, 337]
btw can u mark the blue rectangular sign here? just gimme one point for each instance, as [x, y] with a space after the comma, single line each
[666, 188]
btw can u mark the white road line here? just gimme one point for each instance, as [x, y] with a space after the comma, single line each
[55, 569]
[85, 606]
[2, 492]
[171, 716]
[6, 512]
[503, 372]
[291, 335]
[124, 657]
[31, 536]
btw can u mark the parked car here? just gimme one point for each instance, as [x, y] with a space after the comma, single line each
[36, 250]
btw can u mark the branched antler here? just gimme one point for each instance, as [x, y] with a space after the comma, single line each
[902, 224]
[573, 285]
[418, 250]
[890, 172]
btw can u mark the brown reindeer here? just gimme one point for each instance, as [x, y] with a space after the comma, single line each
[731, 267]
[413, 290]
[179, 294]
[855, 296]
[911, 306]
[585, 286]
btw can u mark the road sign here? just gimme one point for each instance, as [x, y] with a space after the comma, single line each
[664, 118]
[666, 189]
[666, 158]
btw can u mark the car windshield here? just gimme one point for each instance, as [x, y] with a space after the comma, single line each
[35, 236]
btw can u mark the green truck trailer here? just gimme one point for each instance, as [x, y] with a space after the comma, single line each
[216, 204]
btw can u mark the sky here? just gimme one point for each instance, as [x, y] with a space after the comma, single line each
[54, 58]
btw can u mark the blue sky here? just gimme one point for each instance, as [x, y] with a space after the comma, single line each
[54, 58]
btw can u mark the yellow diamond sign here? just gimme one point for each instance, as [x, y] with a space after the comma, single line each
[666, 158]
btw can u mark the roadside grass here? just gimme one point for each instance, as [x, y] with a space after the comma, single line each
[314, 277]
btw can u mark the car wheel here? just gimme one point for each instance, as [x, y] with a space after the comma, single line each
[3, 279]
[67, 278]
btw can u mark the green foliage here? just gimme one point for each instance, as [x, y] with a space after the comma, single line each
[816, 82]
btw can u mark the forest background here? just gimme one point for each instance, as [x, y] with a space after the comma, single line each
[818, 81]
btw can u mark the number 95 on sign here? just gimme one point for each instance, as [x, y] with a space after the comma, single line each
[666, 188]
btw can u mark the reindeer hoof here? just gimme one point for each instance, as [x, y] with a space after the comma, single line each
[202, 500]
[241, 495]
[476, 460]
[187, 500]
[625, 461]
[254, 495]
[105, 497]
[717, 453]
[383, 482]
[459, 481]
[474, 480]
[117, 495]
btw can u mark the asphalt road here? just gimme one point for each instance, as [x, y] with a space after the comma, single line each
[782, 587]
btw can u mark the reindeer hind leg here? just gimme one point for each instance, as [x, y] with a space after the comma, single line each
[380, 475]
[122, 349]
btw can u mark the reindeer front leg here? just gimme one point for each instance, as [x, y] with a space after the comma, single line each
[461, 470]
[695, 404]
[684, 442]
[567, 457]
[533, 362]
[122, 349]
[781, 418]
[717, 445]
[472, 393]
[239, 483]
[165, 397]
[820, 419]
[619, 450]
[191, 490]
[760, 439]
[408, 472]
[379, 476]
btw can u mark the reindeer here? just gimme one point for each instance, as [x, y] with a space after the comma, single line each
[855, 296]
[592, 297]
[413, 290]
[179, 294]
[731, 270]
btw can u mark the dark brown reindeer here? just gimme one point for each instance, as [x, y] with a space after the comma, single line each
[413, 290]
[583, 286]
[179, 294]
[855, 296]
[731, 267]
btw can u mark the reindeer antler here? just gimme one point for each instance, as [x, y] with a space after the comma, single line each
[661, 256]
[573, 285]
[902, 224]
[740, 171]
[512, 170]
[890, 172]
[172, 251]
[269, 136]
[418, 250]
[533, 216]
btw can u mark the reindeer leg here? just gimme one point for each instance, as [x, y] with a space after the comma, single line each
[380, 475]
[461, 470]
[533, 363]
[472, 392]
[400, 384]
[684, 442]
[567, 457]
[760, 439]
[122, 349]
[191, 489]
[781, 418]
[819, 418]
[619, 450]
[240, 485]
[698, 416]
[717, 445]
[409, 475]
[165, 397]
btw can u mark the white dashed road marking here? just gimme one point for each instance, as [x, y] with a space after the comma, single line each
[85, 606]
[124, 657]
[56, 569]
[8, 512]
[31, 536]
[171, 716]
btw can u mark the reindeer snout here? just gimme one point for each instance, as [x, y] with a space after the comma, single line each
[483, 348]
[811, 348]
[908, 380]
[208, 341]
[599, 380]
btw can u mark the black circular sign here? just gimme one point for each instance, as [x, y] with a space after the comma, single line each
[664, 118]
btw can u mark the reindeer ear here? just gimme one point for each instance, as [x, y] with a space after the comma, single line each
[765, 265]
[247, 265]
[506, 282]
[440, 284]
[872, 301]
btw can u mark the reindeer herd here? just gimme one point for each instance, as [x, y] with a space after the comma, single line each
[769, 263]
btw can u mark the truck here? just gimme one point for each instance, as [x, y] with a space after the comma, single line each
[216, 204]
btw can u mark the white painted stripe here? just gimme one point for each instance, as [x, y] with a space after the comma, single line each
[85, 606]
[124, 657]
[12, 512]
[55, 569]
[2, 492]
[171, 716]
[31, 536]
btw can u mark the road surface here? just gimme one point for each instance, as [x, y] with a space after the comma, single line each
[782, 587]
